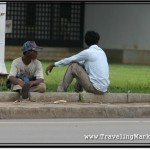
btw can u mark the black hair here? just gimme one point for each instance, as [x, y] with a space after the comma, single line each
[91, 38]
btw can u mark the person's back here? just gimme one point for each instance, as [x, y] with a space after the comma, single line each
[97, 68]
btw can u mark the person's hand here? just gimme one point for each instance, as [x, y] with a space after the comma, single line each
[21, 82]
[31, 83]
[49, 68]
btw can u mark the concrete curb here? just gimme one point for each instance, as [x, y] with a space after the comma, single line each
[33, 110]
[78, 105]
[54, 96]
[115, 98]
[80, 97]
[40, 97]
[106, 98]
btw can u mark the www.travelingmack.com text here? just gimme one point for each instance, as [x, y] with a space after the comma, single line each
[117, 137]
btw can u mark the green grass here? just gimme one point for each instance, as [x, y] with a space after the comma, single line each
[133, 78]
[123, 78]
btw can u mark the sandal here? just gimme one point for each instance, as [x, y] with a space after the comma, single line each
[25, 91]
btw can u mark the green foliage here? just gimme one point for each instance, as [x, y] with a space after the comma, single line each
[123, 78]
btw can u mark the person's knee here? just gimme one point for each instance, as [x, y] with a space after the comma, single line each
[74, 65]
[42, 88]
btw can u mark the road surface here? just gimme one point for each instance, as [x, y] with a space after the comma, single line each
[84, 132]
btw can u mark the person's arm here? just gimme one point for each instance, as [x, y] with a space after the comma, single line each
[36, 82]
[82, 56]
[16, 81]
[13, 73]
[38, 74]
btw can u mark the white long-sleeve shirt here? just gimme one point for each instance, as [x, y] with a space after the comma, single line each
[95, 63]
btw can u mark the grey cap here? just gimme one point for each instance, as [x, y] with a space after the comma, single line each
[30, 45]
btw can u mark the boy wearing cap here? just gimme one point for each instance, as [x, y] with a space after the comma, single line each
[26, 73]
[89, 67]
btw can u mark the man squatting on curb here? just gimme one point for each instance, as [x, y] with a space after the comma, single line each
[89, 67]
[26, 73]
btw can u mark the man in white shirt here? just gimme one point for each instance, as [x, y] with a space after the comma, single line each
[89, 67]
[26, 73]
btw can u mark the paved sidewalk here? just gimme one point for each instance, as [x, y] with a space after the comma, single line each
[80, 97]
[34, 110]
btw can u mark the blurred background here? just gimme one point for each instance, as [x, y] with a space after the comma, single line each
[60, 27]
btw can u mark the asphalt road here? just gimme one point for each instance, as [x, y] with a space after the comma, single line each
[84, 132]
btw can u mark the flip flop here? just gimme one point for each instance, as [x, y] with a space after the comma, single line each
[25, 91]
